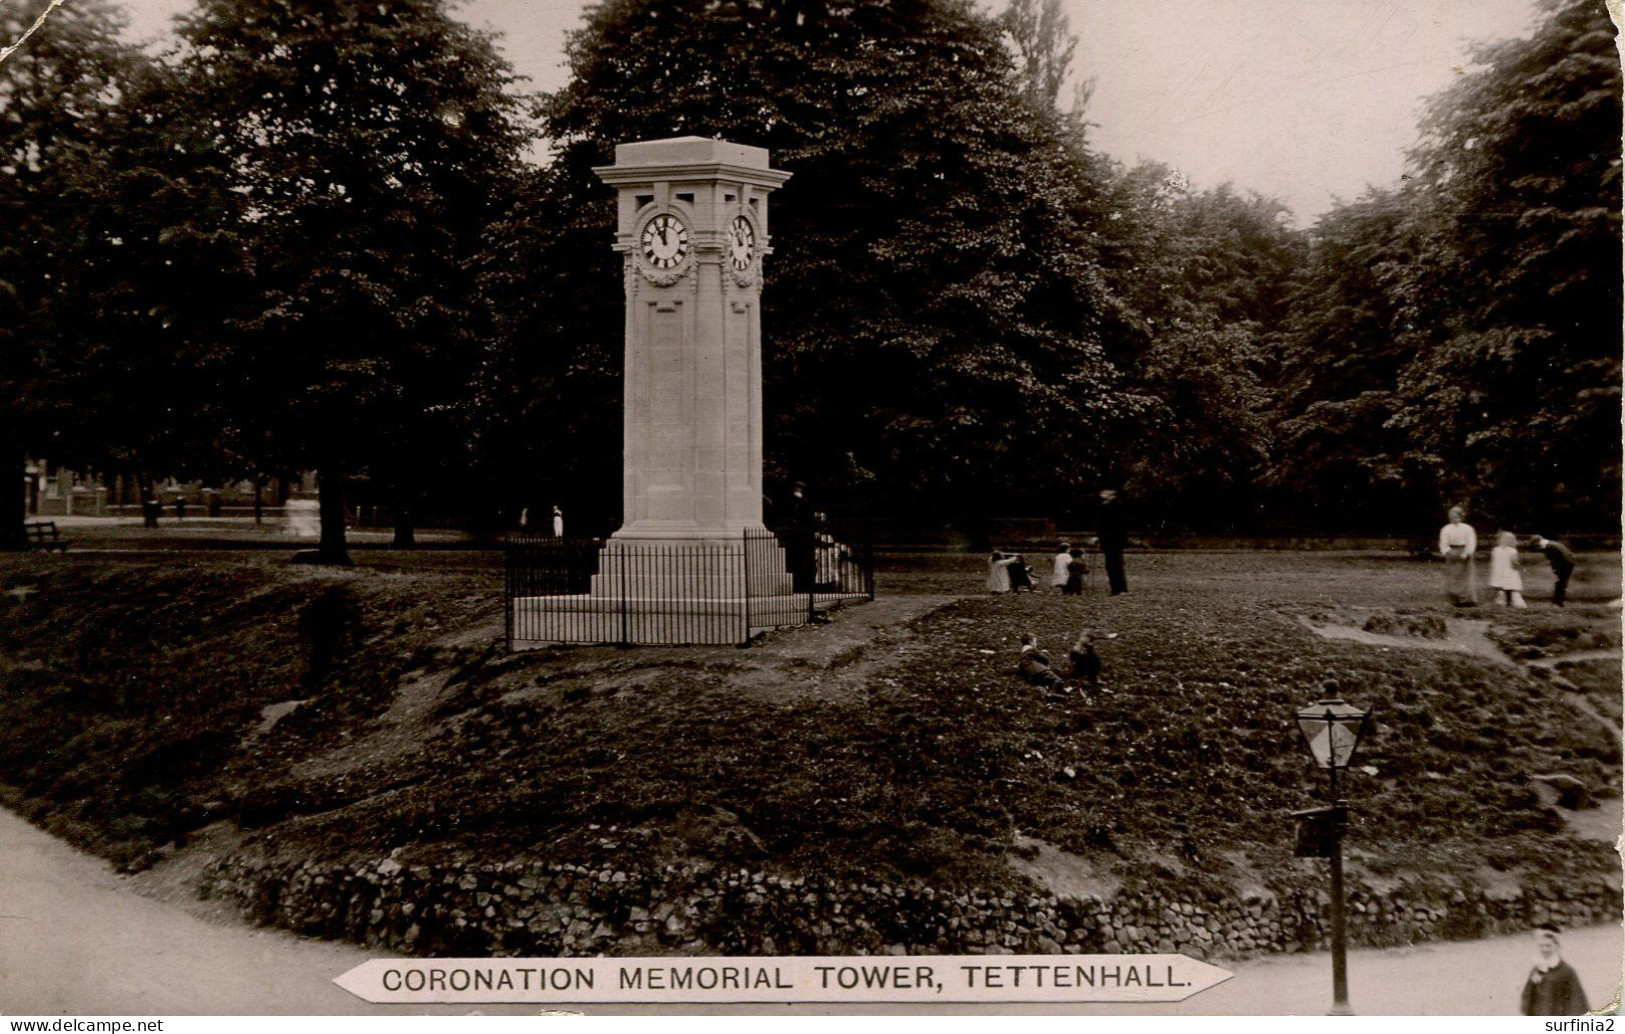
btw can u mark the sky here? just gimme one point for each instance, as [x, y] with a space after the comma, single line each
[1308, 101]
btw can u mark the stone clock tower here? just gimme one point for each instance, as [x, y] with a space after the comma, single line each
[693, 230]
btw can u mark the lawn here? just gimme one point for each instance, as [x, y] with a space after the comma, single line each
[159, 704]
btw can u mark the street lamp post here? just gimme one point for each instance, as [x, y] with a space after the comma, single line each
[1331, 729]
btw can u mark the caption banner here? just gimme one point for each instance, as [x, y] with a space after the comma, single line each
[924, 978]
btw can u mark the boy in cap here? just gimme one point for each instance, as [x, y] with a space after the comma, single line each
[1562, 561]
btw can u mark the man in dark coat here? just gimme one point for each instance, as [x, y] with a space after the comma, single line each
[1553, 988]
[1113, 536]
[797, 536]
[1562, 561]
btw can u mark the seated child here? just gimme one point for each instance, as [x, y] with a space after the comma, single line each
[1034, 666]
[1085, 662]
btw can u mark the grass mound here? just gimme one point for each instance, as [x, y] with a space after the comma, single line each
[345, 715]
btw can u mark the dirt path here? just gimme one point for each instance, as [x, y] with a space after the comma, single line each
[1578, 657]
[76, 939]
[1462, 637]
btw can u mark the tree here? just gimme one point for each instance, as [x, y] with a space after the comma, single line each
[1515, 384]
[935, 313]
[1038, 30]
[1458, 337]
[549, 409]
[371, 143]
[163, 266]
[1204, 274]
[59, 94]
[1345, 340]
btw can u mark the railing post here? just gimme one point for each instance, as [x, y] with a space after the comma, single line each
[812, 574]
[869, 565]
[507, 589]
[744, 595]
[621, 582]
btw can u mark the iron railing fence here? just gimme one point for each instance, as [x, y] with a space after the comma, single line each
[590, 590]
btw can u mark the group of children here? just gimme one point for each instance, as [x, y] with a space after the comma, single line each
[1507, 581]
[1035, 665]
[1008, 572]
[1458, 543]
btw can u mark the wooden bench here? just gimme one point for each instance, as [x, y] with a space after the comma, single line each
[43, 535]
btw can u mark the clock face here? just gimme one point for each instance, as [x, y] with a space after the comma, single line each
[741, 242]
[664, 241]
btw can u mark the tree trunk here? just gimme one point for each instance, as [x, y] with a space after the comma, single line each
[330, 498]
[259, 499]
[13, 467]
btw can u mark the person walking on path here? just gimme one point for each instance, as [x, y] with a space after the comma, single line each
[1062, 562]
[1457, 544]
[1113, 536]
[1562, 561]
[1504, 576]
[1553, 988]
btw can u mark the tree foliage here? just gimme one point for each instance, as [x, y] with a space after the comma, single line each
[935, 311]
[1340, 353]
[304, 240]
[59, 108]
[1459, 338]
[1039, 30]
[1204, 274]
[371, 143]
[1517, 387]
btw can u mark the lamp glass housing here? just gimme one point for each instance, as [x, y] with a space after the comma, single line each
[1332, 730]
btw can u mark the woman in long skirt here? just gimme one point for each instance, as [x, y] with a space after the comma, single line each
[1457, 544]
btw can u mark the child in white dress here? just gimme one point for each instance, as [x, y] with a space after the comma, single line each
[998, 571]
[1063, 560]
[1504, 576]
